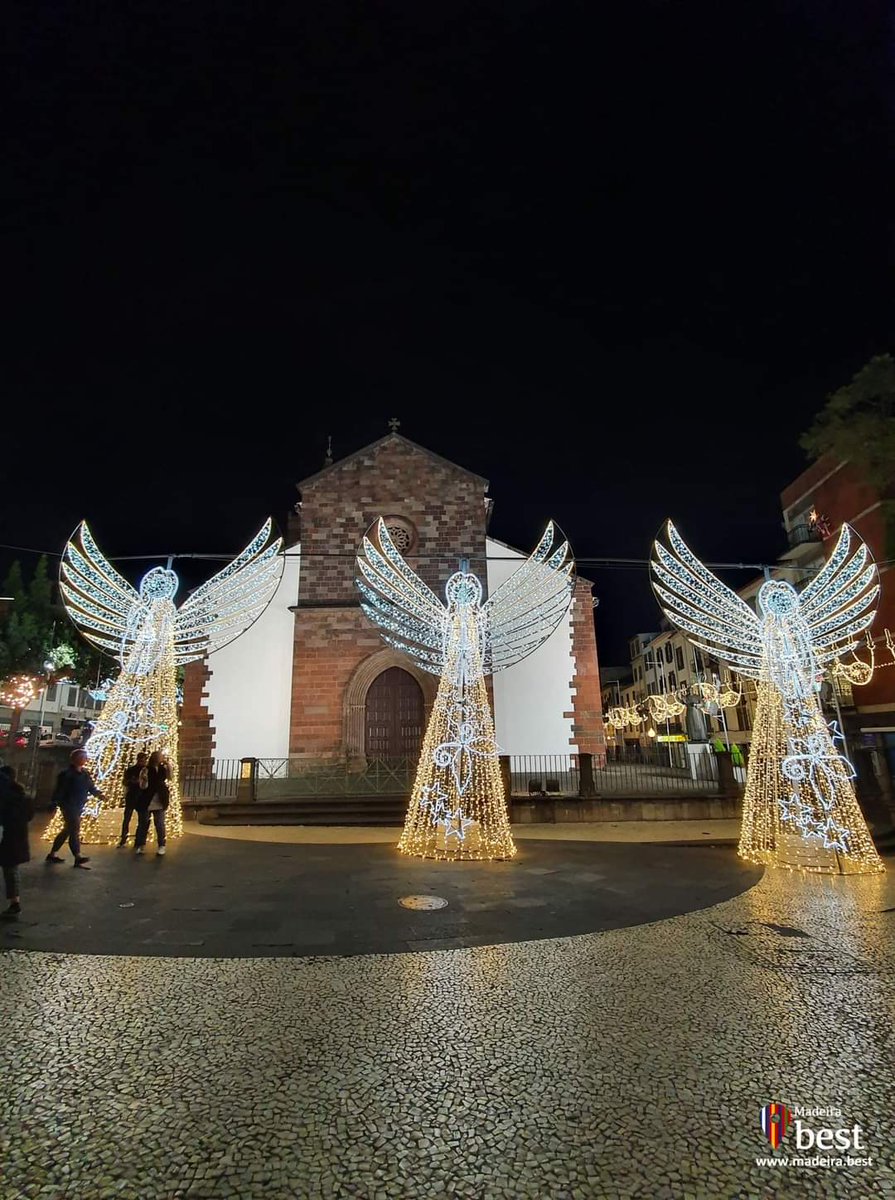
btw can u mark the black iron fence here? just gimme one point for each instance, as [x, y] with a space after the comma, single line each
[295, 777]
[662, 770]
[291, 778]
[642, 771]
[210, 778]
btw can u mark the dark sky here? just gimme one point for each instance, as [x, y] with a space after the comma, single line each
[611, 257]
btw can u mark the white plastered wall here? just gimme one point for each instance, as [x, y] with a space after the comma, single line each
[250, 689]
[530, 698]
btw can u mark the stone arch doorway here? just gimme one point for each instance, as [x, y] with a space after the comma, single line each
[365, 675]
[394, 715]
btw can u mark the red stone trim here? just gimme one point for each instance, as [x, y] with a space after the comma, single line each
[196, 734]
[588, 735]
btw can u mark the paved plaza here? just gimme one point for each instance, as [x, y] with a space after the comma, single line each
[220, 897]
[629, 1060]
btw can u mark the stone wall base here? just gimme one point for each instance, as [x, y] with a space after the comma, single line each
[708, 808]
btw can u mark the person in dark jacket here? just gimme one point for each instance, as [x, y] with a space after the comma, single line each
[135, 783]
[15, 813]
[73, 787]
[154, 802]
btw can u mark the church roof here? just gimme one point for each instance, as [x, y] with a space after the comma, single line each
[393, 437]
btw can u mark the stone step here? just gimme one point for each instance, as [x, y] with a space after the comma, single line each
[323, 811]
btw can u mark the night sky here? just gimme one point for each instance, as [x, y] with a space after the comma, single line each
[612, 257]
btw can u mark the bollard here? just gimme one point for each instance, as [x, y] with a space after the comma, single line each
[248, 775]
[587, 789]
[728, 785]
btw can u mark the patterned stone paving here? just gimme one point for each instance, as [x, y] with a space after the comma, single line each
[628, 1063]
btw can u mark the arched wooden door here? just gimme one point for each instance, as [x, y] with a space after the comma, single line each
[395, 715]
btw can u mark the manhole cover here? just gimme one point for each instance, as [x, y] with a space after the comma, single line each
[422, 903]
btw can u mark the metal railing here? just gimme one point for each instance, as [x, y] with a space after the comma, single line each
[801, 535]
[292, 778]
[627, 771]
[295, 777]
[641, 771]
[544, 775]
[210, 778]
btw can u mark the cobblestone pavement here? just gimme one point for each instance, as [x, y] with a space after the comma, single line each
[628, 1063]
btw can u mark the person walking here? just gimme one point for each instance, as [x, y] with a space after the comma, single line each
[73, 787]
[15, 813]
[154, 802]
[136, 782]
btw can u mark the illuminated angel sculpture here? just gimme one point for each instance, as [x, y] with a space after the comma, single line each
[151, 638]
[799, 808]
[458, 808]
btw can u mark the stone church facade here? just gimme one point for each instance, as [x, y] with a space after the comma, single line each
[312, 679]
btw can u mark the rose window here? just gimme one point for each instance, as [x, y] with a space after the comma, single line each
[401, 533]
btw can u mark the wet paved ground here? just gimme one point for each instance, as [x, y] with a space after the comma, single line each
[628, 1063]
[213, 897]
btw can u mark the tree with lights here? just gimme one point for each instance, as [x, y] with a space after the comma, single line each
[151, 637]
[30, 649]
[799, 807]
[458, 809]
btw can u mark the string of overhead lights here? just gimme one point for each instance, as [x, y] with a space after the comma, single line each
[668, 706]
[593, 561]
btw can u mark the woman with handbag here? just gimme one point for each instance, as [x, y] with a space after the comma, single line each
[154, 802]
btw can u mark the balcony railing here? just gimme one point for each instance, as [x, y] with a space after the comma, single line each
[802, 535]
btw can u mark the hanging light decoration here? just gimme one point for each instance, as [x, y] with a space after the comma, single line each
[19, 691]
[799, 807]
[458, 808]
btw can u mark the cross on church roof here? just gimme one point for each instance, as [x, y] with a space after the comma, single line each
[393, 424]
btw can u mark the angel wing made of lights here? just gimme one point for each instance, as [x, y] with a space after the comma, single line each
[520, 615]
[834, 610]
[224, 607]
[111, 613]
[526, 608]
[99, 601]
[839, 604]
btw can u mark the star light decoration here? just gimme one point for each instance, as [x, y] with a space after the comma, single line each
[151, 638]
[458, 808]
[799, 807]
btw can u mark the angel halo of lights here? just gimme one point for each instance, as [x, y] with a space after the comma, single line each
[799, 806]
[151, 638]
[458, 807]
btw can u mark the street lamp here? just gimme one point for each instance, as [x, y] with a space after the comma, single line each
[49, 668]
